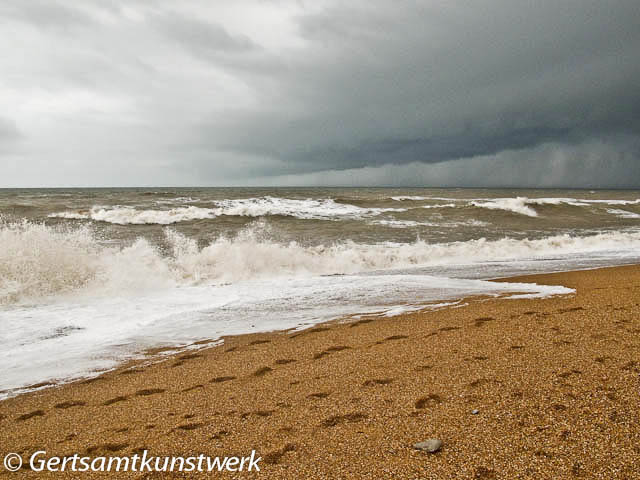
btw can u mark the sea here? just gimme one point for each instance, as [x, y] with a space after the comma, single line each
[91, 278]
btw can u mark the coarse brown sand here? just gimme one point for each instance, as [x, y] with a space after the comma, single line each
[555, 382]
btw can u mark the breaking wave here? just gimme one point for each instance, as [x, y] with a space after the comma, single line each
[38, 260]
[309, 209]
[622, 213]
[523, 205]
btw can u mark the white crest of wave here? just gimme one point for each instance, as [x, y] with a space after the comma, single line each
[414, 198]
[614, 202]
[177, 200]
[623, 213]
[132, 216]
[442, 205]
[403, 223]
[516, 205]
[521, 205]
[38, 260]
[320, 209]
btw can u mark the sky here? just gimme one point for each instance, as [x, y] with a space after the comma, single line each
[486, 93]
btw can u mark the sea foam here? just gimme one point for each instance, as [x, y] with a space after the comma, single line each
[42, 261]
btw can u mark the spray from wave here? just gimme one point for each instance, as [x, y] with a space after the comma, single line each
[40, 261]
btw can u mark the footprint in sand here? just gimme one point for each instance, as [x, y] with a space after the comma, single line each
[480, 321]
[360, 322]
[195, 387]
[262, 371]
[190, 356]
[263, 413]
[27, 416]
[339, 419]
[328, 351]
[131, 371]
[427, 401]
[480, 358]
[149, 391]
[318, 395]
[275, 456]
[284, 361]
[258, 413]
[190, 426]
[422, 368]
[479, 382]
[377, 381]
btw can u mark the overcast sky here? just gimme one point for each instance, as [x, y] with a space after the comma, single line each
[257, 92]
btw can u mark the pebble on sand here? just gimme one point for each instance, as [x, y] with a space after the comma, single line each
[432, 445]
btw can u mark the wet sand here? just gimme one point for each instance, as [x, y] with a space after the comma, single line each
[555, 382]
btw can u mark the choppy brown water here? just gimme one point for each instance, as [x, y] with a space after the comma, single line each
[322, 216]
[89, 277]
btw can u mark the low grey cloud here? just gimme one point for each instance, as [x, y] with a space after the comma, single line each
[203, 38]
[291, 91]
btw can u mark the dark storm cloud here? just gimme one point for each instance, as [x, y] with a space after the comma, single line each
[294, 91]
[410, 81]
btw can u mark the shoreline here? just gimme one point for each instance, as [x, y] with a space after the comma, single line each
[550, 377]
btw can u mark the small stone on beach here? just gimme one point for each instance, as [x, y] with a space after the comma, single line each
[432, 445]
[475, 412]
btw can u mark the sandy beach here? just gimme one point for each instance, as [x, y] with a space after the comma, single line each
[554, 382]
